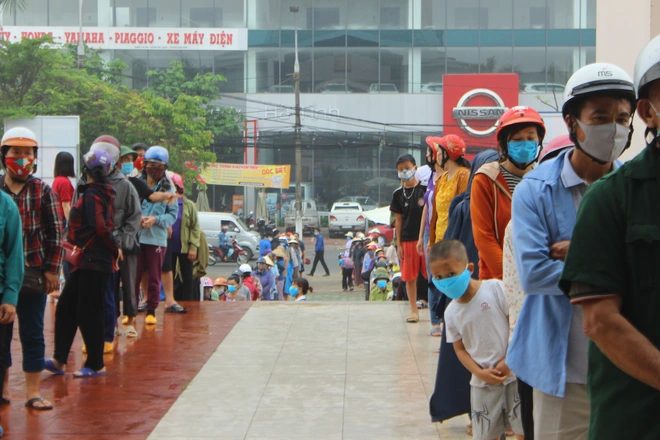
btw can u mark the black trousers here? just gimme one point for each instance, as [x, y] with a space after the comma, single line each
[319, 257]
[347, 279]
[185, 291]
[81, 306]
[526, 393]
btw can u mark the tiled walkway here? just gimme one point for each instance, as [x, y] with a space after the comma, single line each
[315, 371]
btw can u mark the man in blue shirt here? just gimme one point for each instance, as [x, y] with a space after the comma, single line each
[223, 242]
[265, 247]
[548, 350]
[319, 250]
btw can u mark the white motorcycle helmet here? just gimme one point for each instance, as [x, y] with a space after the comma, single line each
[647, 67]
[597, 78]
[245, 269]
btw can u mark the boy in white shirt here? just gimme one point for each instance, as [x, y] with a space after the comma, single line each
[477, 324]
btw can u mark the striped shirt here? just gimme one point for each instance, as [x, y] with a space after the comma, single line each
[511, 179]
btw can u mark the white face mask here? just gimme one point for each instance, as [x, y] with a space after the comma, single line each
[604, 142]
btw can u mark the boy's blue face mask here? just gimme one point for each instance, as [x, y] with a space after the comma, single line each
[231, 289]
[382, 284]
[454, 287]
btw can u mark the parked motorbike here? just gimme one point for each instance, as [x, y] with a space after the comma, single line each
[263, 228]
[216, 255]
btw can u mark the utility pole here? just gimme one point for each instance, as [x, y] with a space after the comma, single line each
[81, 46]
[298, 126]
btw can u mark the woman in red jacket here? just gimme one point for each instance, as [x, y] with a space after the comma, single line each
[520, 132]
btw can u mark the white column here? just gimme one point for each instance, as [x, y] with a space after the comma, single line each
[414, 70]
[414, 14]
[251, 72]
[104, 12]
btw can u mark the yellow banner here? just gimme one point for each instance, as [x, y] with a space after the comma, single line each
[264, 176]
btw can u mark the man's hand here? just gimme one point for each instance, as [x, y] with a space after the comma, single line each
[148, 221]
[559, 250]
[169, 232]
[420, 247]
[172, 198]
[491, 376]
[7, 313]
[400, 252]
[52, 282]
[192, 255]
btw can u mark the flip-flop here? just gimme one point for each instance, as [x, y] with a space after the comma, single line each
[413, 318]
[131, 332]
[30, 404]
[50, 366]
[175, 308]
[436, 332]
[88, 372]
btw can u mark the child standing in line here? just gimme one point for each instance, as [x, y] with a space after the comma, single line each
[477, 324]
[408, 207]
[233, 285]
[382, 289]
[347, 267]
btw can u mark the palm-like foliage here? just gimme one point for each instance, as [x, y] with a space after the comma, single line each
[12, 5]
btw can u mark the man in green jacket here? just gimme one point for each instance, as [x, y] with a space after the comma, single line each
[185, 243]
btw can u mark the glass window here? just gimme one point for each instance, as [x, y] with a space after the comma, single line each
[304, 19]
[263, 14]
[561, 64]
[287, 57]
[161, 59]
[135, 13]
[563, 14]
[588, 56]
[363, 14]
[394, 14]
[163, 13]
[495, 60]
[229, 13]
[499, 13]
[591, 14]
[329, 14]
[463, 60]
[362, 69]
[362, 38]
[36, 14]
[529, 64]
[466, 14]
[530, 14]
[197, 62]
[434, 14]
[199, 14]
[330, 71]
[433, 69]
[66, 13]
[267, 70]
[231, 65]
[394, 68]
[135, 75]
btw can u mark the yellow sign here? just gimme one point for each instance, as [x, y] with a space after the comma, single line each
[264, 176]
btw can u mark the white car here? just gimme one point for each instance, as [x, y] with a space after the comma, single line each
[336, 88]
[383, 88]
[544, 88]
[346, 216]
[431, 88]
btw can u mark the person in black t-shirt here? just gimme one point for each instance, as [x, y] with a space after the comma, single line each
[125, 165]
[408, 206]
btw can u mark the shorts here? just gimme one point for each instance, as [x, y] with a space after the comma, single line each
[495, 408]
[167, 261]
[412, 263]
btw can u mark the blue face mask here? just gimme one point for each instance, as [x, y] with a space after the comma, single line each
[231, 289]
[523, 152]
[382, 284]
[293, 291]
[127, 168]
[454, 287]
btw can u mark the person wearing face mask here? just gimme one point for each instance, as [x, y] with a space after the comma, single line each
[299, 289]
[219, 289]
[520, 132]
[477, 325]
[265, 277]
[43, 255]
[156, 219]
[233, 294]
[382, 288]
[319, 251]
[408, 207]
[611, 271]
[548, 349]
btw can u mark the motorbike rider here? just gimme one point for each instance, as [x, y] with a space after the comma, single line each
[223, 242]
[265, 246]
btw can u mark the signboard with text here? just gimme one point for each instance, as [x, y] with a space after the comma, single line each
[107, 38]
[473, 103]
[259, 176]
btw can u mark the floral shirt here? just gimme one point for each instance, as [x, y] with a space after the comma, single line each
[446, 190]
[512, 288]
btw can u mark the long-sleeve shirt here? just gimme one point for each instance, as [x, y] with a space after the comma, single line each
[165, 217]
[222, 239]
[320, 245]
[267, 282]
[265, 247]
[42, 226]
[11, 251]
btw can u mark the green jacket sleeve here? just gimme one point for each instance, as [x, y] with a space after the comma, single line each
[195, 229]
[12, 246]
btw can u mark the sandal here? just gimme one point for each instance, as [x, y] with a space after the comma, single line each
[117, 332]
[31, 404]
[88, 372]
[131, 332]
[50, 366]
[175, 308]
[413, 318]
[422, 305]
[436, 332]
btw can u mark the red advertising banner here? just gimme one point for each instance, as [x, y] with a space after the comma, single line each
[472, 105]
[135, 38]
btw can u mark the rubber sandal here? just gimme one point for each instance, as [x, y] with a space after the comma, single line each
[175, 308]
[117, 332]
[131, 332]
[422, 305]
[124, 321]
[50, 366]
[413, 318]
[30, 404]
[436, 332]
[87, 372]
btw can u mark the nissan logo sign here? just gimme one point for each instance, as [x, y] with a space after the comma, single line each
[462, 113]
